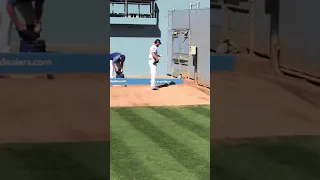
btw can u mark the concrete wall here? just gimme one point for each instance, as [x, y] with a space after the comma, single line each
[215, 27]
[238, 26]
[135, 41]
[299, 36]
[262, 29]
[200, 37]
[298, 33]
[198, 23]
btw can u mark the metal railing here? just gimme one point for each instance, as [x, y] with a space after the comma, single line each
[123, 9]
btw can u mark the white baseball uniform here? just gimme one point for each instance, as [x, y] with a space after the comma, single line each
[117, 66]
[5, 27]
[153, 67]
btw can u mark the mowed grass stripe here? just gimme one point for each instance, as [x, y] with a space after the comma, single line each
[143, 149]
[198, 114]
[293, 158]
[126, 164]
[177, 150]
[186, 121]
[187, 137]
[203, 110]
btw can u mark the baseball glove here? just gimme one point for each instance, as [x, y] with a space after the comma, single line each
[29, 34]
[156, 62]
[119, 71]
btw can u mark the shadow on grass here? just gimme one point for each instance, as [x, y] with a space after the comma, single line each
[276, 158]
[55, 161]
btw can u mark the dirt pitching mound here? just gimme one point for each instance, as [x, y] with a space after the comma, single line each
[176, 95]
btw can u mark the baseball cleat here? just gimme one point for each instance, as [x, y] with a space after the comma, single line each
[155, 88]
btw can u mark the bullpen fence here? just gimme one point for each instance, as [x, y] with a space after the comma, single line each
[244, 24]
[298, 37]
[275, 29]
[186, 29]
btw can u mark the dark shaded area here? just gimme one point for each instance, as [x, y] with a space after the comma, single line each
[52, 161]
[166, 85]
[136, 30]
[81, 26]
[277, 158]
[122, 30]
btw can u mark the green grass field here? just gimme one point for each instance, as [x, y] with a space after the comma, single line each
[290, 158]
[160, 143]
[55, 161]
[163, 143]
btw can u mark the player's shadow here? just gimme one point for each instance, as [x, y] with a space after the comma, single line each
[167, 85]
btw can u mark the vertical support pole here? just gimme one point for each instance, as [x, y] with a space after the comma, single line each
[180, 50]
[126, 8]
[172, 52]
[198, 4]
[252, 26]
[153, 9]
[150, 10]
[167, 49]
[189, 43]
[189, 58]
[172, 44]
[224, 20]
[274, 41]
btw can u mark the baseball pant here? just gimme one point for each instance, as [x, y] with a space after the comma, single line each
[26, 14]
[25, 11]
[117, 65]
[5, 27]
[153, 72]
[111, 69]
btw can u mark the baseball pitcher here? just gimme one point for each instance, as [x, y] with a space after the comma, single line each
[153, 61]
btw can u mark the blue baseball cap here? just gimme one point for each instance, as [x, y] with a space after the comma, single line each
[123, 57]
[157, 41]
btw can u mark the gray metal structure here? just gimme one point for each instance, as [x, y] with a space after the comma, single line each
[299, 37]
[286, 36]
[187, 28]
[246, 25]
